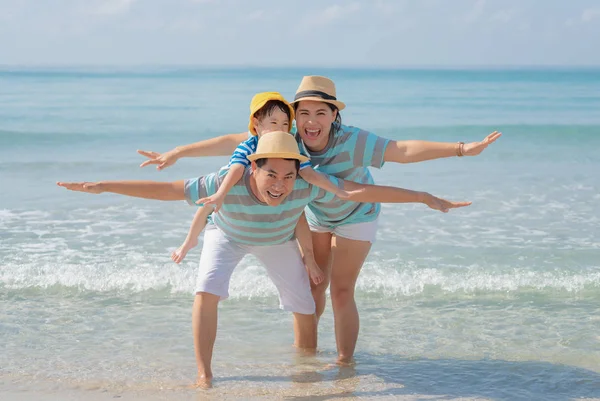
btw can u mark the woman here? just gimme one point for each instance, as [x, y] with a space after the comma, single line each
[342, 231]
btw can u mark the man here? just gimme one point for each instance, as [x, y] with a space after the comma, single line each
[258, 216]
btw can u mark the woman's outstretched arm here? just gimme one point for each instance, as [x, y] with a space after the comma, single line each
[414, 151]
[223, 145]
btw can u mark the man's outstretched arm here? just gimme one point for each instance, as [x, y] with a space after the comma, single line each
[165, 191]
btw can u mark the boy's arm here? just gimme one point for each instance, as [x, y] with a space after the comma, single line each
[199, 221]
[384, 194]
[304, 237]
[234, 174]
[220, 146]
[166, 191]
[315, 178]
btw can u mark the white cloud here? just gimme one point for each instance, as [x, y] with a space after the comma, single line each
[331, 14]
[503, 16]
[389, 8]
[586, 16]
[524, 27]
[590, 14]
[476, 11]
[256, 15]
[11, 9]
[185, 24]
[113, 7]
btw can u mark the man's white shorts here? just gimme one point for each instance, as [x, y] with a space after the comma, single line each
[283, 262]
[358, 231]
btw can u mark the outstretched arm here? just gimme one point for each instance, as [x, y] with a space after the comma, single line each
[384, 194]
[315, 178]
[220, 146]
[166, 191]
[418, 151]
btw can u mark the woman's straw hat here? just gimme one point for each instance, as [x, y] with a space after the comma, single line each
[320, 89]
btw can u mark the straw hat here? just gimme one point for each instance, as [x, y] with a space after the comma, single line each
[321, 89]
[258, 102]
[277, 145]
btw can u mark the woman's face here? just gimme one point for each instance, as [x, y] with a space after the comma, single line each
[313, 121]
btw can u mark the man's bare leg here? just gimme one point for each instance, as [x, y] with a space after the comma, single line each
[204, 328]
[305, 333]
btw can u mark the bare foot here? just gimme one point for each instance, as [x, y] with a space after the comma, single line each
[179, 254]
[342, 361]
[203, 382]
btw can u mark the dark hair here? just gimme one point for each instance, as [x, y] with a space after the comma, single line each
[338, 117]
[261, 162]
[269, 107]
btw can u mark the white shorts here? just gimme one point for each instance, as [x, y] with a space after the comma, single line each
[358, 231]
[283, 262]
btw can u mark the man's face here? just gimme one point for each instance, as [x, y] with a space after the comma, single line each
[275, 180]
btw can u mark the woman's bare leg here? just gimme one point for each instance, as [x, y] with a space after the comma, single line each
[347, 258]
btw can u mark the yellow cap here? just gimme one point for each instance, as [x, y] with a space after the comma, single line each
[258, 102]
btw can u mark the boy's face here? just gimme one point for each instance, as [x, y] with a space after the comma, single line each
[277, 121]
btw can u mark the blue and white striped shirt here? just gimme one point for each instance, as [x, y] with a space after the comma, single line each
[348, 154]
[244, 218]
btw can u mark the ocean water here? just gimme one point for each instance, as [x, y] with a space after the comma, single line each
[497, 301]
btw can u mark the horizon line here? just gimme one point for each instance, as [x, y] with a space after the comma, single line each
[291, 67]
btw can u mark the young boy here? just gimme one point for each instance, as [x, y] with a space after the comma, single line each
[269, 111]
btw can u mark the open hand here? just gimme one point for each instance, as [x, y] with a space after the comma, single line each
[314, 271]
[89, 187]
[216, 200]
[475, 148]
[163, 160]
[443, 205]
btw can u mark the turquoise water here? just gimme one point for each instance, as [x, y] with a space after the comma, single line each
[497, 301]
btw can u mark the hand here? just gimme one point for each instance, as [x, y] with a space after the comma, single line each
[89, 187]
[315, 273]
[442, 205]
[216, 200]
[475, 148]
[163, 160]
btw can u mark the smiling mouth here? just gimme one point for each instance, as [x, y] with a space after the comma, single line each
[273, 195]
[312, 133]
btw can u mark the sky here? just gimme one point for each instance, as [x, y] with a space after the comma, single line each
[354, 33]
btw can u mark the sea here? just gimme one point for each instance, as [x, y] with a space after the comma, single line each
[497, 301]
